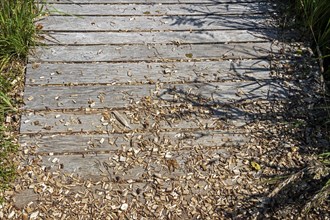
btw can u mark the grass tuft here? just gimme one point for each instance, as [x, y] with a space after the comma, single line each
[17, 28]
[314, 15]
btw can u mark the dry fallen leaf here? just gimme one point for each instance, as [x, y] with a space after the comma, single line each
[35, 65]
[39, 26]
[121, 119]
[25, 216]
[172, 164]
[255, 165]
[106, 115]
[189, 55]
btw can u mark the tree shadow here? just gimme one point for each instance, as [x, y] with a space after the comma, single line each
[257, 19]
[271, 107]
[295, 87]
[294, 123]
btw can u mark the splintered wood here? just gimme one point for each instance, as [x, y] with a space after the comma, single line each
[143, 110]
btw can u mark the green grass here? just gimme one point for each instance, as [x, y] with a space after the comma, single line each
[17, 35]
[7, 146]
[314, 16]
[17, 28]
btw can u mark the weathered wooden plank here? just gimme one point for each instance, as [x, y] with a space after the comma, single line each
[187, 37]
[119, 73]
[95, 122]
[132, 192]
[158, 23]
[62, 144]
[129, 53]
[150, 1]
[89, 166]
[141, 165]
[104, 147]
[158, 9]
[60, 97]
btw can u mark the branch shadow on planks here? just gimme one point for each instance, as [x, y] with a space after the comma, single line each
[282, 124]
[259, 21]
[290, 114]
[297, 183]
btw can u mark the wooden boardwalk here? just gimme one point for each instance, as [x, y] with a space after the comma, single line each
[150, 90]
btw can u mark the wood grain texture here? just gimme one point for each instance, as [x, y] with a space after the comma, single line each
[157, 9]
[94, 122]
[187, 37]
[129, 53]
[143, 23]
[98, 165]
[120, 73]
[182, 75]
[59, 97]
[62, 144]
